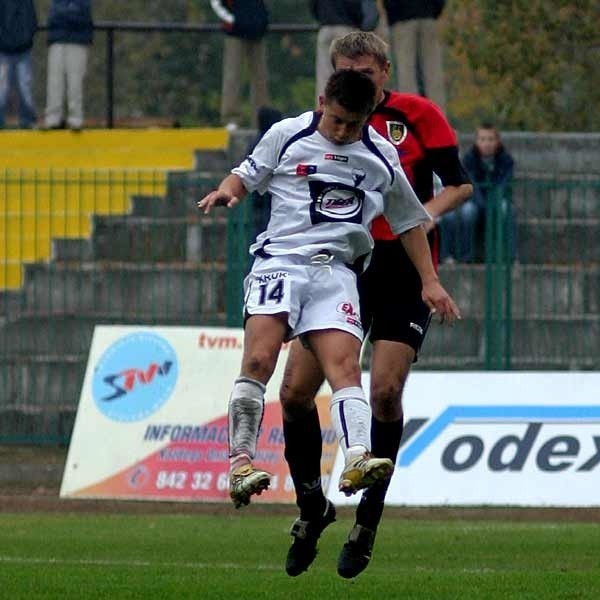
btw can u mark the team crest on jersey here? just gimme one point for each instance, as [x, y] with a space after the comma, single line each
[396, 132]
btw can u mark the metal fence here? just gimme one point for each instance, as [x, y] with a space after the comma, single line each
[80, 248]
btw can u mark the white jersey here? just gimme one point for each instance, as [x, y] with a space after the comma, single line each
[324, 195]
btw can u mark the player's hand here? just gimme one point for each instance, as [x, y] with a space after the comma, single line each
[217, 198]
[440, 302]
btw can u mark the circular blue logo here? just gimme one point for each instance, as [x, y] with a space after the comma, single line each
[135, 377]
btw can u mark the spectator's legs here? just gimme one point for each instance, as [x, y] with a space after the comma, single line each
[447, 227]
[27, 114]
[256, 61]
[55, 85]
[404, 42]
[430, 53]
[457, 229]
[231, 84]
[5, 75]
[76, 64]
[323, 67]
[468, 214]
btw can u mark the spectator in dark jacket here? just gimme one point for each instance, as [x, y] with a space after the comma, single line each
[70, 33]
[337, 18]
[18, 24]
[417, 48]
[490, 168]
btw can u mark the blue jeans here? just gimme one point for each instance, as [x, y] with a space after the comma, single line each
[457, 232]
[459, 228]
[16, 69]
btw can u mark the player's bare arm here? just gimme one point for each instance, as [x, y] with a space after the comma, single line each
[230, 191]
[447, 200]
[434, 295]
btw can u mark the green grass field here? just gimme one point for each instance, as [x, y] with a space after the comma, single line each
[242, 556]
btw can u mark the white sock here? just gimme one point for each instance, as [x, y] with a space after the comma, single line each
[351, 419]
[246, 407]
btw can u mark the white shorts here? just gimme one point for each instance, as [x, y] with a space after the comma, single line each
[314, 295]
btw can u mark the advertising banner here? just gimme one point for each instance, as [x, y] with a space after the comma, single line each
[152, 418]
[489, 438]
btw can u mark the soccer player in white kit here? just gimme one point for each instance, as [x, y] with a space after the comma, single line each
[328, 175]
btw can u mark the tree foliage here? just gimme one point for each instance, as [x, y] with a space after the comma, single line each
[525, 64]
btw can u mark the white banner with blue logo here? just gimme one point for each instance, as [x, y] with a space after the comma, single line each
[152, 418]
[489, 438]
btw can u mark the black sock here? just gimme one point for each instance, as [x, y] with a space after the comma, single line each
[303, 446]
[385, 443]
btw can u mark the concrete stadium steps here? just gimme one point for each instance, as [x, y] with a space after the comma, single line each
[187, 292]
[36, 381]
[193, 238]
[71, 250]
[536, 290]
[52, 182]
[40, 394]
[213, 161]
[562, 343]
[71, 334]
[11, 302]
[552, 198]
[185, 188]
[559, 241]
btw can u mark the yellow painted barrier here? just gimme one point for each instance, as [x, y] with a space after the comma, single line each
[51, 183]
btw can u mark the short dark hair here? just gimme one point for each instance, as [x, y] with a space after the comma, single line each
[352, 90]
[357, 44]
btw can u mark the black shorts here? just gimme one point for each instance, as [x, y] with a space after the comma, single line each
[390, 297]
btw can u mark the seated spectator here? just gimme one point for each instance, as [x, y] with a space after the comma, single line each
[18, 24]
[490, 168]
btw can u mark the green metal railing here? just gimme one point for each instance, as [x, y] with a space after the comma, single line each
[80, 248]
[498, 277]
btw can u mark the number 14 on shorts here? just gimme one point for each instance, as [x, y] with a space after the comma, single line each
[268, 290]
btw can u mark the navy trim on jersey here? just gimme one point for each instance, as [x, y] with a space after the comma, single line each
[368, 142]
[261, 252]
[302, 133]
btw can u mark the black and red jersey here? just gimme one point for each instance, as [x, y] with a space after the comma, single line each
[426, 144]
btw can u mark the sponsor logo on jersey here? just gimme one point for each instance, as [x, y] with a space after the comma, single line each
[336, 157]
[352, 316]
[397, 132]
[335, 202]
[271, 276]
[304, 170]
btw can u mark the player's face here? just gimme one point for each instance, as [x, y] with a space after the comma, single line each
[338, 125]
[368, 65]
[487, 141]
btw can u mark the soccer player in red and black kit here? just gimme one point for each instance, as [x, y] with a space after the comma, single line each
[392, 310]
